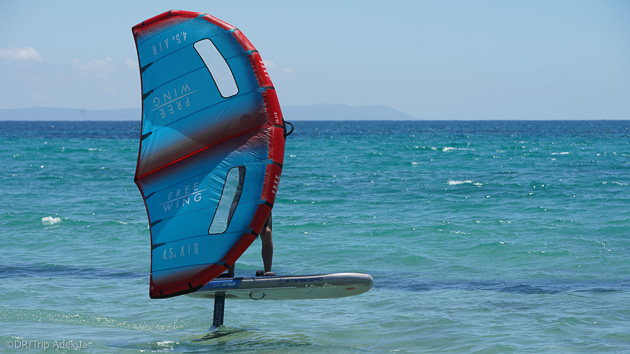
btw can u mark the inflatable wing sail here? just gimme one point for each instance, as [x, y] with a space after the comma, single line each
[211, 149]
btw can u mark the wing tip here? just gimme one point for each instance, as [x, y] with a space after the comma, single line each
[162, 295]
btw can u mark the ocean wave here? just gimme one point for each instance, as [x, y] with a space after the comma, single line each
[18, 270]
[466, 181]
[49, 220]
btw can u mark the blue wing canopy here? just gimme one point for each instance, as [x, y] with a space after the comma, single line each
[211, 148]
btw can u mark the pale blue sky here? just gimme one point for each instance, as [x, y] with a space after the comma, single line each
[551, 59]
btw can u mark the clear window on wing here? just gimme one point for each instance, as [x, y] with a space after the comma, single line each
[232, 190]
[218, 67]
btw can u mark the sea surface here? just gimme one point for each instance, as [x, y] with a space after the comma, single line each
[481, 236]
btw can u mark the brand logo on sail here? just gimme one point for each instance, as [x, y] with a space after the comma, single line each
[173, 100]
[182, 197]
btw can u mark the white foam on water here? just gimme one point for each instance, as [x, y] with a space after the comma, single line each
[467, 181]
[49, 220]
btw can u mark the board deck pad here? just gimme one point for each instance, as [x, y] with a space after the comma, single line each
[291, 287]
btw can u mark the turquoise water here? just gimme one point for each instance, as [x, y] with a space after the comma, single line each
[481, 237]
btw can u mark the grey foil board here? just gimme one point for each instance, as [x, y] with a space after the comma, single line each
[291, 287]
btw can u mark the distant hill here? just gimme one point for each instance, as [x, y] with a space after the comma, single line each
[343, 112]
[43, 113]
[310, 112]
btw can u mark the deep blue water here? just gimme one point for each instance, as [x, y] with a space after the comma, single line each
[489, 236]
